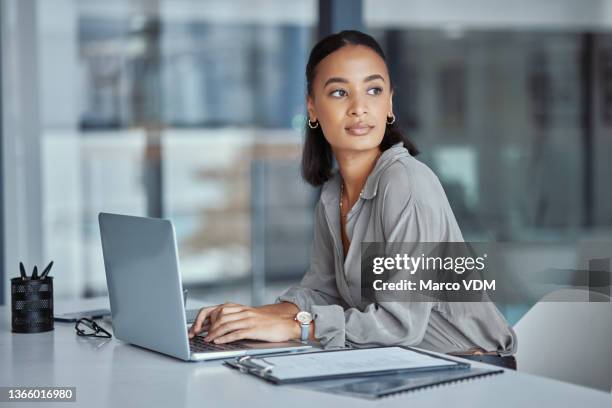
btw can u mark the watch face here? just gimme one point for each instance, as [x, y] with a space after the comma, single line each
[304, 317]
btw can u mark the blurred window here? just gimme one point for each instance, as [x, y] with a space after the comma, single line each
[161, 108]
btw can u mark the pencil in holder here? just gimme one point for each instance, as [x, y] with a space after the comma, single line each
[32, 305]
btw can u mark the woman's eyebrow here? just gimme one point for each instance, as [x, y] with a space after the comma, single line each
[345, 81]
[334, 80]
[373, 77]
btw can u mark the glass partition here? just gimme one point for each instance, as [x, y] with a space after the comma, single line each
[163, 108]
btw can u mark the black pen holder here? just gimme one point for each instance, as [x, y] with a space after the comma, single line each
[32, 305]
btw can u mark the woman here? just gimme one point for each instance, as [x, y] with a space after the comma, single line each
[380, 193]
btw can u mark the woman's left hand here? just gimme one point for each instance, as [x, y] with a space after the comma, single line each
[240, 322]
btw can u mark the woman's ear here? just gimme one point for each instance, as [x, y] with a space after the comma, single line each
[391, 102]
[312, 115]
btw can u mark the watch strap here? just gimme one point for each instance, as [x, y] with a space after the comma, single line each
[305, 331]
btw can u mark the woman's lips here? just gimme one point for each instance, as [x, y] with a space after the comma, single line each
[359, 130]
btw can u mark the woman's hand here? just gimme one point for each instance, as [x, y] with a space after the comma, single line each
[208, 315]
[230, 322]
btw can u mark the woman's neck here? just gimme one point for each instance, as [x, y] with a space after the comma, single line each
[355, 167]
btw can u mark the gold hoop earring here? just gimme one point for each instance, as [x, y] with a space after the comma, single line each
[310, 125]
[392, 119]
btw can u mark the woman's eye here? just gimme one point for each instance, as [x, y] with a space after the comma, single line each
[375, 91]
[338, 93]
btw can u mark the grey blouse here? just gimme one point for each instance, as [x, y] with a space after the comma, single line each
[402, 201]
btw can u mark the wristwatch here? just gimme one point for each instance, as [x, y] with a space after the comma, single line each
[304, 319]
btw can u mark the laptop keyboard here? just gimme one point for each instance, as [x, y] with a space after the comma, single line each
[198, 344]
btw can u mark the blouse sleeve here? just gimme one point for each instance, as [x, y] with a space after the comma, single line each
[406, 216]
[318, 286]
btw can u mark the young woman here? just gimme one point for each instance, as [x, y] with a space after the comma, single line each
[380, 193]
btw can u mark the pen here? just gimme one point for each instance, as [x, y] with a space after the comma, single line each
[46, 271]
[35, 273]
[22, 271]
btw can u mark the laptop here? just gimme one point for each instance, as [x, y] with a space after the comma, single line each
[146, 294]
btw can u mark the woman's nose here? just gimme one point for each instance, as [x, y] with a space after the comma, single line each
[358, 107]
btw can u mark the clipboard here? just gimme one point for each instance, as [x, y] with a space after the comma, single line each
[343, 363]
[367, 384]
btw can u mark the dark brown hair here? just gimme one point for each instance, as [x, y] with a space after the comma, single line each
[317, 156]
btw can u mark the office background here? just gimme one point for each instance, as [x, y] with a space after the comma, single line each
[193, 111]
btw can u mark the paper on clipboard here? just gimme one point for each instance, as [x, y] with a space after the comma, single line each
[346, 363]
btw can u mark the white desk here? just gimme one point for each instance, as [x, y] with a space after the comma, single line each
[114, 374]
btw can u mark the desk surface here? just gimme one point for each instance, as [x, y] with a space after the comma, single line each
[112, 373]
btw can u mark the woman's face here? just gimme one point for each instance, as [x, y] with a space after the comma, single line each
[351, 98]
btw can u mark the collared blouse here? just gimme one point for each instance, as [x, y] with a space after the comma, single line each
[402, 201]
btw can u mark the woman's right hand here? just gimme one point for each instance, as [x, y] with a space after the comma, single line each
[208, 315]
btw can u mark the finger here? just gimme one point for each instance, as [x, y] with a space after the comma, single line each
[205, 329]
[203, 314]
[227, 328]
[225, 309]
[211, 313]
[235, 336]
[196, 327]
[220, 330]
[210, 318]
[226, 318]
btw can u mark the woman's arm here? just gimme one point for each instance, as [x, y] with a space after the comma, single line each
[276, 322]
[409, 214]
[318, 286]
[286, 308]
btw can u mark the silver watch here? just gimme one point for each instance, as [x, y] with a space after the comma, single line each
[304, 319]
